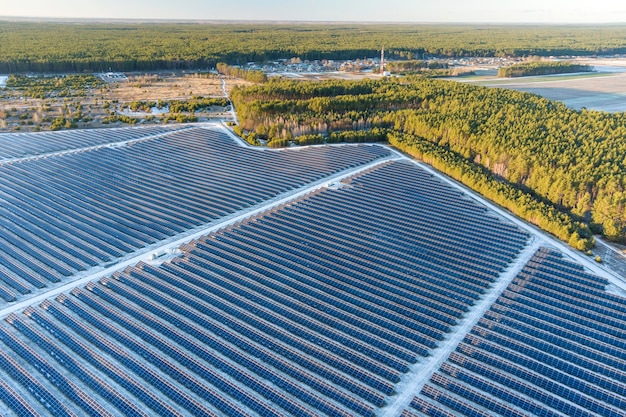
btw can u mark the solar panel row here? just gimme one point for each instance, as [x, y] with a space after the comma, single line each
[20, 145]
[315, 308]
[67, 213]
[552, 344]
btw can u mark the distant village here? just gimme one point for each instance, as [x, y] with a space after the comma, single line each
[299, 66]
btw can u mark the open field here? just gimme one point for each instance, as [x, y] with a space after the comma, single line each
[168, 86]
[21, 111]
[162, 87]
[603, 90]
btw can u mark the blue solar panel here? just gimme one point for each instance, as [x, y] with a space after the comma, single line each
[544, 347]
[68, 212]
[316, 308]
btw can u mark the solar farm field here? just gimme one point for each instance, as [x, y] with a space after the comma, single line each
[552, 344]
[15, 146]
[63, 213]
[362, 284]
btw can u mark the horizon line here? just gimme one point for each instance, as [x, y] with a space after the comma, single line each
[293, 21]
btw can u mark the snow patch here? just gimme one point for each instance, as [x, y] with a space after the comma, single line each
[153, 111]
[109, 77]
[162, 255]
[3, 80]
[609, 68]
[615, 290]
[338, 185]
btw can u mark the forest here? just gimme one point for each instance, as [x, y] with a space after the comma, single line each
[409, 66]
[525, 69]
[47, 47]
[236, 72]
[177, 106]
[561, 169]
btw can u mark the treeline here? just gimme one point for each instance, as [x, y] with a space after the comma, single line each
[178, 106]
[541, 68]
[100, 47]
[164, 118]
[236, 72]
[344, 136]
[251, 138]
[558, 166]
[410, 66]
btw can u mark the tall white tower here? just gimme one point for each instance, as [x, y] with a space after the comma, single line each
[382, 61]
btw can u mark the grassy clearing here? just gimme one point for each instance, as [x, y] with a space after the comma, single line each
[488, 81]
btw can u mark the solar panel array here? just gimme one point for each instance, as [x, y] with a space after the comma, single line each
[67, 213]
[21, 145]
[553, 344]
[315, 308]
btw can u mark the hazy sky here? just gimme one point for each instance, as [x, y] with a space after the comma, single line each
[540, 11]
